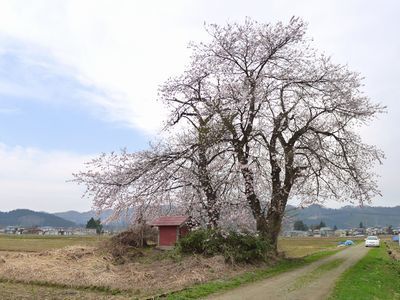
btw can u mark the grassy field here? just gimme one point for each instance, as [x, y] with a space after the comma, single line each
[313, 248]
[302, 246]
[376, 276]
[37, 243]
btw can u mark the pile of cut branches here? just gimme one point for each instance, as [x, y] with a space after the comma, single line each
[128, 244]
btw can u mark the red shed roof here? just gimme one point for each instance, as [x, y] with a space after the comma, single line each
[169, 221]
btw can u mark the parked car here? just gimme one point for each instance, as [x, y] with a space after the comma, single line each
[372, 241]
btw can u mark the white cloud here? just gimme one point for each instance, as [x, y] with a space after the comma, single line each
[31, 178]
[126, 49]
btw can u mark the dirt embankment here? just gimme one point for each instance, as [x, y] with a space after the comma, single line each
[393, 249]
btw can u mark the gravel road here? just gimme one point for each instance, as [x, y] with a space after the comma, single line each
[312, 282]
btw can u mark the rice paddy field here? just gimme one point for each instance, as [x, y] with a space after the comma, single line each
[37, 243]
[301, 246]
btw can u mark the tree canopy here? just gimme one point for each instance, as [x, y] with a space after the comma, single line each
[95, 224]
[299, 225]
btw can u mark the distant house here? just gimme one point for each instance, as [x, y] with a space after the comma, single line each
[316, 233]
[358, 231]
[51, 232]
[64, 231]
[84, 231]
[170, 229]
[33, 230]
[296, 233]
[340, 232]
[374, 231]
[326, 231]
[11, 230]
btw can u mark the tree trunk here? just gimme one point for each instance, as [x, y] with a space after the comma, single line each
[273, 228]
[274, 218]
[211, 201]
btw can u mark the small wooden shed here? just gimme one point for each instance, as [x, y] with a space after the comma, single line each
[170, 229]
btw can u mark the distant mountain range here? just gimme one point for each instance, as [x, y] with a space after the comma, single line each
[348, 216]
[30, 218]
[345, 217]
[81, 218]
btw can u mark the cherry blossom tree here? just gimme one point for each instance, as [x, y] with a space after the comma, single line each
[258, 117]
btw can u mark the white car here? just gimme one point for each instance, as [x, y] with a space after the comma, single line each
[372, 241]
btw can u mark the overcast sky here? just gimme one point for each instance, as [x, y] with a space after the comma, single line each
[80, 77]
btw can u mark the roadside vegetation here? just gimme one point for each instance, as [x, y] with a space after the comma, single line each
[235, 247]
[376, 276]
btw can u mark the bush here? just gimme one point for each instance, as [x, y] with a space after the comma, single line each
[245, 248]
[235, 246]
[192, 242]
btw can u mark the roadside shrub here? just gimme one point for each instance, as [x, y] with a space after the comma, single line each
[193, 242]
[236, 247]
[245, 248]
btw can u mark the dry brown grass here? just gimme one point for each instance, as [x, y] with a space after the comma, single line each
[77, 266]
[22, 291]
[128, 245]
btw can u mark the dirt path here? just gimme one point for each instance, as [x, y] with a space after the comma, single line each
[313, 282]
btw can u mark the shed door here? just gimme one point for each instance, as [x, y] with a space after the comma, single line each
[167, 235]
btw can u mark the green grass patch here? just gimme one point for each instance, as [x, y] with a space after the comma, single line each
[205, 289]
[376, 276]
